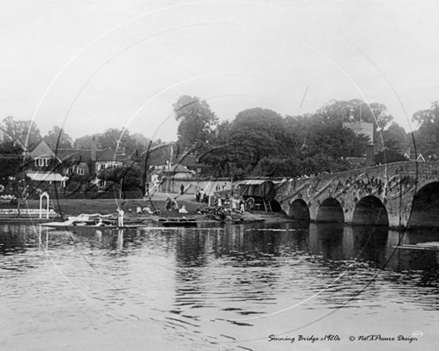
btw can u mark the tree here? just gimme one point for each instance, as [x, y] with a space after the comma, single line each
[128, 176]
[426, 137]
[238, 146]
[13, 171]
[395, 138]
[261, 142]
[141, 139]
[357, 111]
[388, 156]
[117, 139]
[196, 121]
[85, 142]
[142, 142]
[113, 138]
[57, 138]
[262, 130]
[375, 113]
[25, 131]
[11, 158]
[215, 155]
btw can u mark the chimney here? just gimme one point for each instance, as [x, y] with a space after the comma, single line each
[370, 155]
[93, 150]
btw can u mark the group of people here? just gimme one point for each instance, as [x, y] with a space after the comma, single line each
[172, 205]
[201, 196]
[236, 203]
[121, 213]
[146, 209]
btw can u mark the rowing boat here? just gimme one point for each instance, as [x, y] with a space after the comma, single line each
[431, 246]
[67, 226]
[178, 222]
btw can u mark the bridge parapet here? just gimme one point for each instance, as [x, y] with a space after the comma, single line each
[392, 186]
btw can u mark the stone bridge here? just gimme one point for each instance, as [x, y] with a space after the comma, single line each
[400, 194]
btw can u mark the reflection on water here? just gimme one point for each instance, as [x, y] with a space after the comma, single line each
[223, 288]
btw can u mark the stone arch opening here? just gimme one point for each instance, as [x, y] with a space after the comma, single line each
[275, 205]
[370, 211]
[425, 207]
[330, 211]
[299, 211]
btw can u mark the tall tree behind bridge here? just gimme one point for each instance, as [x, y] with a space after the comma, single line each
[356, 110]
[395, 138]
[426, 137]
[240, 145]
[196, 121]
[261, 142]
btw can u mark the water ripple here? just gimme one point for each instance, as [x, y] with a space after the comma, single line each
[201, 288]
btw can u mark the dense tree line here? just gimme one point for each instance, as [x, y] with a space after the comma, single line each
[261, 142]
[258, 142]
[426, 137]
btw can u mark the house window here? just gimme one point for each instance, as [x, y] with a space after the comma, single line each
[80, 171]
[46, 161]
[41, 162]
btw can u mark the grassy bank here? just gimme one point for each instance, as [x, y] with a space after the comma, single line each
[74, 207]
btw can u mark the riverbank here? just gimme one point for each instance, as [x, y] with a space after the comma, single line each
[74, 207]
[109, 206]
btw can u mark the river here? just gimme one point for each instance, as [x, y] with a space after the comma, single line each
[241, 287]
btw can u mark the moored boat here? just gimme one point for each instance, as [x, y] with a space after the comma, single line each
[178, 222]
[96, 221]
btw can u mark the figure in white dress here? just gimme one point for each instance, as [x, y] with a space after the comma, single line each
[120, 217]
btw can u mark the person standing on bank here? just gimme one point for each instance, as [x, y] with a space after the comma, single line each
[168, 204]
[120, 217]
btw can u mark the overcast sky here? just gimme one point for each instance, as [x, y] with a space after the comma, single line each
[91, 65]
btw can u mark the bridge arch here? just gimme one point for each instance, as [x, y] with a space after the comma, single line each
[275, 205]
[425, 206]
[330, 210]
[370, 211]
[299, 210]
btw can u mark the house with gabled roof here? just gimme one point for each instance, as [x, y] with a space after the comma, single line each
[44, 164]
[60, 164]
[42, 155]
[75, 162]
